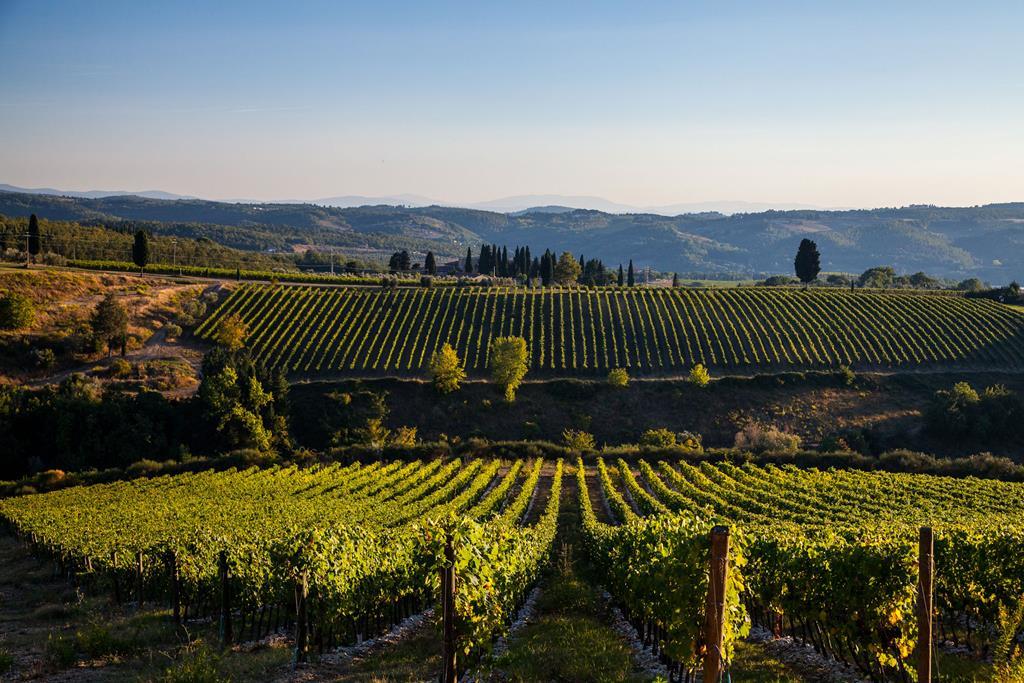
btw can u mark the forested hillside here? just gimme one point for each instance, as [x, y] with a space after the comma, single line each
[981, 241]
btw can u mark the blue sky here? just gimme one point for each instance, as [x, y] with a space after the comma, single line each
[832, 104]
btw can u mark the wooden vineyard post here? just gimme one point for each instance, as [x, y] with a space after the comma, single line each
[448, 674]
[301, 620]
[925, 607]
[225, 600]
[138, 579]
[714, 619]
[172, 561]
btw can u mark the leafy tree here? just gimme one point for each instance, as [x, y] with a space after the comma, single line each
[972, 284]
[16, 311]
[429, 264]
[879, 277]
[140, 250]
[619, 378]
[567, 270]
[622, 277]
[807, 262]
[446, 370]
[242, 402]
[34, 246]
[509, 361]
[630, 277]
[699, 375]
[109, 323]
[469, 260]
[231, 332]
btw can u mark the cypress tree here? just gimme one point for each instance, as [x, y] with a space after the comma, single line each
[808, 261]
[469, 260]
[630, 280]
[547, 266]
[675, 279]
[140, 250]
[33, 237]
[429, 264]
[622, 277]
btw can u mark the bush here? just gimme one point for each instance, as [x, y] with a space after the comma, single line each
[404, 437]
[426, 281]
[144, 467]
[16, 311]
[120, 368]
[579, 440]
[658, 438]
[44, 358]
[761, 438]
[172, 331]
[699, 376]
[618, 378]
[847, 376]
[200, 666]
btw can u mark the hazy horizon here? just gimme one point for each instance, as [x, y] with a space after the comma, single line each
[463, 103]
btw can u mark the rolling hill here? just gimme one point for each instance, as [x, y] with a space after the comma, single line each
[981, 241]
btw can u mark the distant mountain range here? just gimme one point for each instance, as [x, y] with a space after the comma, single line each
[981, 241]
[515, 204]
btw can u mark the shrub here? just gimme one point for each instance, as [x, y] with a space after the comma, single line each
[699, 376]
[760, 438]
[173, 331]
[658, 438]
[200, 666]
[16, 311]
[618, 378]
[847, 376]
[44, 358]
[6, 661]
[404, 437]
[426, 281]
[579, 440]
[120, 368]
[144, 467]
[690, 442]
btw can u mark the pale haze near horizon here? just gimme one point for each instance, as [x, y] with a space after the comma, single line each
[638, 103]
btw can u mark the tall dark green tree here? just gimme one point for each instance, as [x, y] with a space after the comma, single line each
[622, 277]
[429, 264]
[630, 278]
[140, 250]
[110, 324]
[468, 266]
[675, 279]
[807, 262]
[547, 268]
[34, 246]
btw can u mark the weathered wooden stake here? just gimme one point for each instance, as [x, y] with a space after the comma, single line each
[925, 608]
[301, 622]
[175, 589]
[225, 600]
[138, 579]
[449, 673]
[714, 630]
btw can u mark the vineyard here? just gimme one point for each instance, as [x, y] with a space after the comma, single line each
[307, 330]
[830, 557]
[334, 554]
